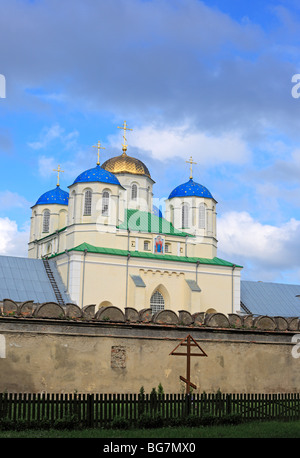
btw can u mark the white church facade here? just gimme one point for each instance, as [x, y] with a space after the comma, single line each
[112, 248]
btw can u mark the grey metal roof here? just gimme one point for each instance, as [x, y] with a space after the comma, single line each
[193, 285]
[138, 281]
[24, 279]
[272, 299]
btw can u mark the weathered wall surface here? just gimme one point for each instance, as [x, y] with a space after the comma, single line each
[50, 349]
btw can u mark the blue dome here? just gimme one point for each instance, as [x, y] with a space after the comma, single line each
[55, 196]
[190, 188]
[97, 174]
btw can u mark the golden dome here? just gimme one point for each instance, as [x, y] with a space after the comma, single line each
[125, 164]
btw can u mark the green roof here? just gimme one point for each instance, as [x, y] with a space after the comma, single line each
[137, 254]
[137, 220]
[53, 233]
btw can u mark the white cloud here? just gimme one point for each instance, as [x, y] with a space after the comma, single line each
[55, 132]
[165, 143]
[46, 165]
[13, 241]
[47, 135]
[10, 200]
[265, 247]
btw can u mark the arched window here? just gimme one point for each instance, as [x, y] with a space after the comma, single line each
[185, 216]
[87, 203]
[134, 191]
[105, 203]
[202, 214]
[46, 221]
[157, 302]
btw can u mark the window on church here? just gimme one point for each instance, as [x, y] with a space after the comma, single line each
[134, 192]
[202, 216]
[167, 248]
[105, 203]
[157, 302]
[146, 245]
[87, 203]
[185, 216]
[46, 221]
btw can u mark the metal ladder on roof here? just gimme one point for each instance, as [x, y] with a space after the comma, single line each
[56, 290]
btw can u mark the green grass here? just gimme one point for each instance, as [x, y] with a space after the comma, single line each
[271, 429]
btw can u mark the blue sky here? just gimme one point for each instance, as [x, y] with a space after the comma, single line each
[211, 79]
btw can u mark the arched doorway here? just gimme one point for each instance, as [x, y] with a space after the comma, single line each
[157, 302]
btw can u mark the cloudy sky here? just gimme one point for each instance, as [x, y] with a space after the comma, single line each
[208, 79]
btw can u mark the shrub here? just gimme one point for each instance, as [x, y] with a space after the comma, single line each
[147, 420]
[120, 423]
[69, 421]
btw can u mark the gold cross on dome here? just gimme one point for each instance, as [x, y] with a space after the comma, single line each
[58, 170]
[124, 127]
[191, 166]
[99, 147]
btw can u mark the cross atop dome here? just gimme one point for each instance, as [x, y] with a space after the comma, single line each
[191, 166]
[124, 127]
[58, 170]
[98, 146]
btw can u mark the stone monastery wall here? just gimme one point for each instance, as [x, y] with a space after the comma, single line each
[48, 348]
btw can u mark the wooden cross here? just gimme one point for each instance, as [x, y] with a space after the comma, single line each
[188, 342]
[191, 166]
[99, 147]
[124, 127]
[58, 170]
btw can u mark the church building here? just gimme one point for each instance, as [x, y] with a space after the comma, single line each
[112, 247]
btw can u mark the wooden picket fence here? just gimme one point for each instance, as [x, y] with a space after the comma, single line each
[96, 410]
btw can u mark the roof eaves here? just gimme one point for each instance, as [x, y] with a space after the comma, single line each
[53, 233]
[136, 254]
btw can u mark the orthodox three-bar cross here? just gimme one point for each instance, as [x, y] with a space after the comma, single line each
[124, 127]
[98, 146]
[191, 166]
[188, 342]
[58, 170]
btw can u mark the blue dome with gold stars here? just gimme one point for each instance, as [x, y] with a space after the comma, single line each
[54, 196]
[190, 188]
[97, 174]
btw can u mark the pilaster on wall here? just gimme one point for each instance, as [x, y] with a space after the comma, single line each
[75, 274]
